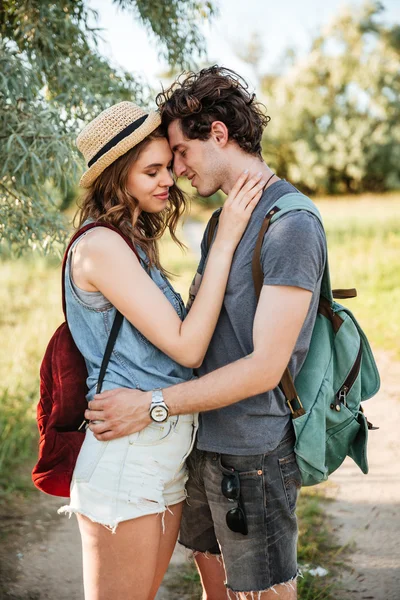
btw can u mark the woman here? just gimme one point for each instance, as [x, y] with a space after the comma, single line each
[134, 486]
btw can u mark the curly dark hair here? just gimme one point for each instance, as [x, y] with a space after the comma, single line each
[215, 94]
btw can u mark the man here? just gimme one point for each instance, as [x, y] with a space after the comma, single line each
[244, 479]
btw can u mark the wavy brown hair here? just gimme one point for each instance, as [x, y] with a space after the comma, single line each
[215, 94]
[108, 200]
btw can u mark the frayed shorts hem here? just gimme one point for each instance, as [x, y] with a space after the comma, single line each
[231, 593]
[256, 594]
[112, 526]
[212, 552]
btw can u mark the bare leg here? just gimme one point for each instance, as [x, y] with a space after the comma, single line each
[120, 566]
[212, 575]
[167, 545]
[282, 592]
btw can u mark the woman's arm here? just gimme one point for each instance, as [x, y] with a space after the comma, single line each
[104, 262]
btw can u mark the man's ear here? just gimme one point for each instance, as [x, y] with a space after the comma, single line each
[219, 133]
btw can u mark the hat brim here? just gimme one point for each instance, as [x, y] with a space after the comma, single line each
[148, 126]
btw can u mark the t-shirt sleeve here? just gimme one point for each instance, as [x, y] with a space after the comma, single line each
[294, 251]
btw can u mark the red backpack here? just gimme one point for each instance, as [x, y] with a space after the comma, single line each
[60, 411]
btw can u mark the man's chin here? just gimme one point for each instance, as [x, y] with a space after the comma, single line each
[204, 192]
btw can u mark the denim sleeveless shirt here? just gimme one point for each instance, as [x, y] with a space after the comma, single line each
[135, 362]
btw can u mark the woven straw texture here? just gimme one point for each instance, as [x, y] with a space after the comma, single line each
[104, 128]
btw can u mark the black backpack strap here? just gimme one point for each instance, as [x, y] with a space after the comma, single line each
[116, 326]
[112, 338]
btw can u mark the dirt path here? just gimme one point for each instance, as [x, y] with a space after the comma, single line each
[42, 558]
[366, 510]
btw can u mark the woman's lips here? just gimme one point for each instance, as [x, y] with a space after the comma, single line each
[162, 196]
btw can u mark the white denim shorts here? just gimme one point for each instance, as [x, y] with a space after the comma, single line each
[136, 475]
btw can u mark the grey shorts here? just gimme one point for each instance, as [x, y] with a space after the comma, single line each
[269, 486]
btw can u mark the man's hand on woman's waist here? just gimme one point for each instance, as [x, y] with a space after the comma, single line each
[121, 411]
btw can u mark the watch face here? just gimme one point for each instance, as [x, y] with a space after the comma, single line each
[159, 414]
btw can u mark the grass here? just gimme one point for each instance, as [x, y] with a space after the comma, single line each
[317, 546]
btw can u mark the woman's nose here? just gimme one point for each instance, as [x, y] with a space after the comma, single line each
[167, 180]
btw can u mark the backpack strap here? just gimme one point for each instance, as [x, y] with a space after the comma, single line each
[77, 234]
[285, 204]
[112, 338]
[116, 326]
[212, 227]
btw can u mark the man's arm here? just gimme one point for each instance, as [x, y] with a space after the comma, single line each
[278, 321]
[279, 318]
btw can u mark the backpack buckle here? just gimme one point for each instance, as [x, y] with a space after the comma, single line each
[83, 425]
[298, 412]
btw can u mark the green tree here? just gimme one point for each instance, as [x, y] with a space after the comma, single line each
[335, 113]
[53, 79]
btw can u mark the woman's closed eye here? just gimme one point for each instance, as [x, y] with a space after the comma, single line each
[154, 173]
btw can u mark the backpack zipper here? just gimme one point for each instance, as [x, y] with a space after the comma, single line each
[341, 396]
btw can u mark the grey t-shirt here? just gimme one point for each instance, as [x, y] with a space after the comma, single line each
[294, 254]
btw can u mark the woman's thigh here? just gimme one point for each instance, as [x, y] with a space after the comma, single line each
[172, 520]
[122, 565]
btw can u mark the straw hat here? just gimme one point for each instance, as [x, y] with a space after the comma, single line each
[115, 131]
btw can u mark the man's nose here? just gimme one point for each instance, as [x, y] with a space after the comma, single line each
[179, 166]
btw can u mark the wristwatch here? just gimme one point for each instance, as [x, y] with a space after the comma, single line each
[158, 409]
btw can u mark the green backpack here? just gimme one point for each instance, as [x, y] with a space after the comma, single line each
[338, 373]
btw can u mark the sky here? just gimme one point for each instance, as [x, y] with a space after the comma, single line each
[279, 23]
